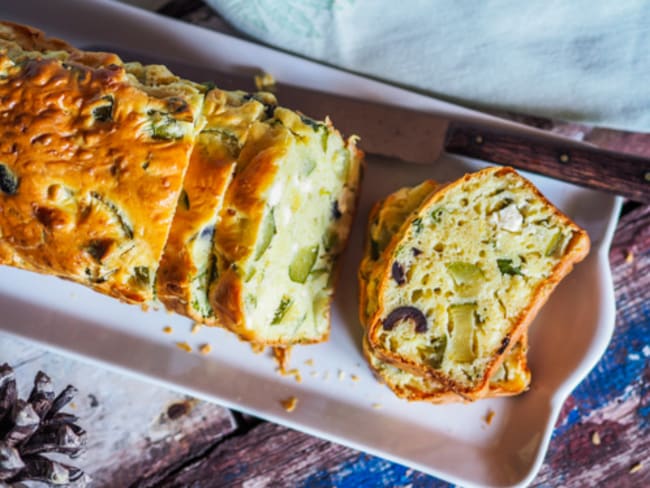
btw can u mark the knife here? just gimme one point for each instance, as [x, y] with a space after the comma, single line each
[421, 137]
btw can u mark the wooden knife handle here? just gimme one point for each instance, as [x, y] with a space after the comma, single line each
[591, 167]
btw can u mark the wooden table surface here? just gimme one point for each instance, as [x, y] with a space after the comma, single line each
[143, 435]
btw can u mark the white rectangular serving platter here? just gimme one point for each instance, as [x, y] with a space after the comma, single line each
[452, 441]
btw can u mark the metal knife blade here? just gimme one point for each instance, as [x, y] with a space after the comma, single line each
[421, 137]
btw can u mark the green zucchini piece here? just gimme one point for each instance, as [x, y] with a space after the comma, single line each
[554, 244]
[141, 275]
[464, 273]
[302, 263]
[267, 231]
[462, 319]
[164, 126]
[437, 351]
[506, 267]
[281, 311]
[104, 113]
[436, 214]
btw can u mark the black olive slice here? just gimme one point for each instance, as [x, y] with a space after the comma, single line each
[397, 272]
[406, 313]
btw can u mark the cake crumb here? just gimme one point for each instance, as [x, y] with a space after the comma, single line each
[341, 375]
[636, 467]
[629, 257]
[205, 348]
[595, 439]
[290, 404]
[313, 373]
[265, 82]
[354, 377]
[281, 356]
[184, 346]
[489, 417]
[295, 372]
[195, 328]
[257, 348]
[309, 362]
[377, 406]
[167, 329]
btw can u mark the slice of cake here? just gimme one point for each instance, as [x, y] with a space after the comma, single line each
[188, 263]
[93, 157]
[385, 220]
[285, 220]
[465, 275]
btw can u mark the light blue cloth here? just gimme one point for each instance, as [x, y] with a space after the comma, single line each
[580, 60]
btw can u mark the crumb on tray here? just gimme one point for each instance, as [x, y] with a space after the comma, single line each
[281, 356]
[167, 329]
[184, 346]
[195, 328]
[205, 349]
[489, 416]
[290, 404]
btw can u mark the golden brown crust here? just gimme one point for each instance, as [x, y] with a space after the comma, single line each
[576, 250]
[207, 178]
[95, 196]
[427, 389]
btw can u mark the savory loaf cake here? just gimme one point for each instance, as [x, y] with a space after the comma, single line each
[512, 378]
[188, 261]
[285, 219]
[92, 157]
[465, 275]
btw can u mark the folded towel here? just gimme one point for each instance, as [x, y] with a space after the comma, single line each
[583, 61]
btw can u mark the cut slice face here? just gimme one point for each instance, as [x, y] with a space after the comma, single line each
[386, 218]
[285, 220]
[490, 250]
[97, 151]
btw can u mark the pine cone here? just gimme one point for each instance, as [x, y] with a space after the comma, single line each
[29, 429]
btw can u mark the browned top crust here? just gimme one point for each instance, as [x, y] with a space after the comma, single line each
[90, 178]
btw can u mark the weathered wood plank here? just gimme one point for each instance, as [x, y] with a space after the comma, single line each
[136, 431]
[614, 400]
[270, 455]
